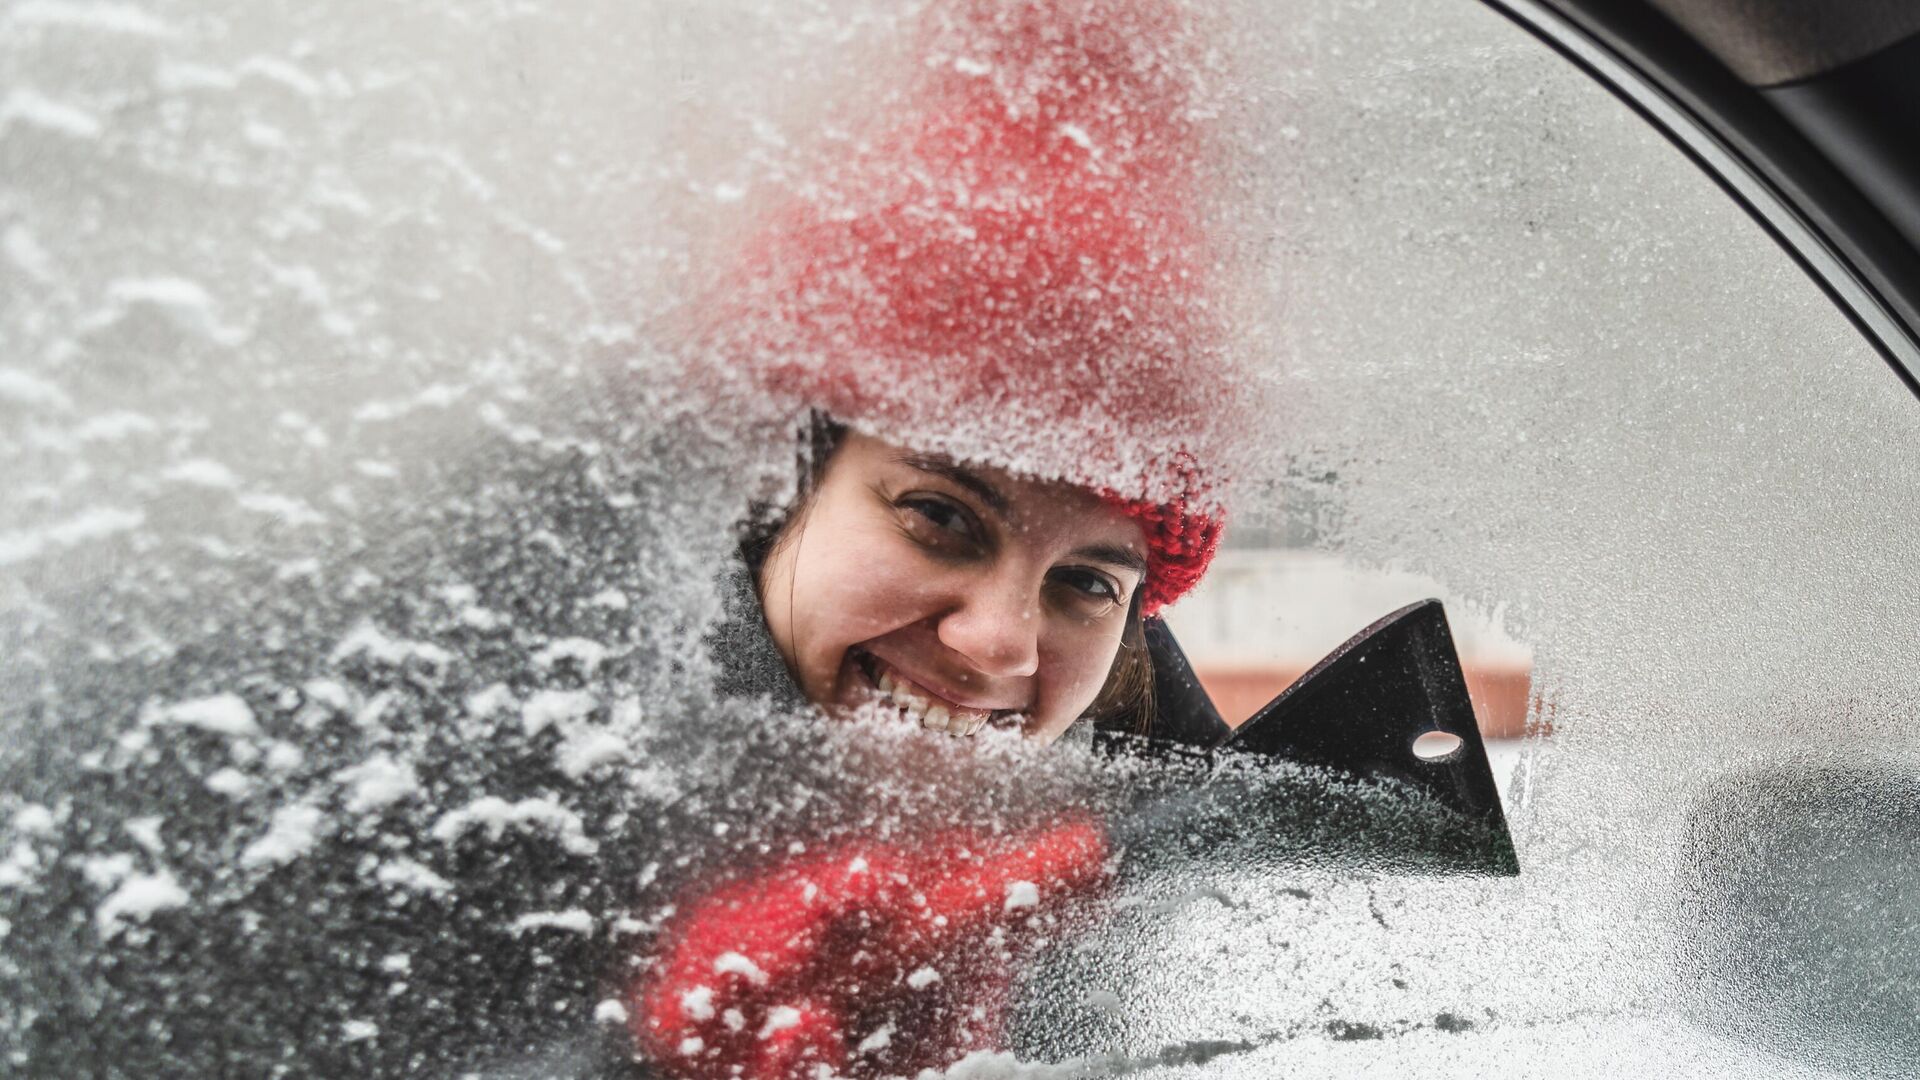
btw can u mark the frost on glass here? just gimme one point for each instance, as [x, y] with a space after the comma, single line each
[368, 512]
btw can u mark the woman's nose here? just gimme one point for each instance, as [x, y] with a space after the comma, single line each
[996, 627]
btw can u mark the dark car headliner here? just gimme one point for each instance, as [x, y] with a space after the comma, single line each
[1767, 42]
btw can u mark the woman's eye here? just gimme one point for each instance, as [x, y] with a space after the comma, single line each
[949, 520]
[1093, 586]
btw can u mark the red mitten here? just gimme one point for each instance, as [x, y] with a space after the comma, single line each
[874, 953]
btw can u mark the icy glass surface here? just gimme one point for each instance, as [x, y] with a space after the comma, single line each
[367, 521]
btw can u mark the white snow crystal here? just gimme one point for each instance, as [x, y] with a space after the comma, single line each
[138, 898]
[201, 472]
[612, 599]
[284, 757]
[377, 782]
[1022, 894]
[589, 749]
[327, 692]
[230, 782]
[33, 109]
[587, 653]
[96, 524]
[491, 700]
[396, 963]
[573, 919]
[405, 873]
[437, 396]
[32, 819]
[265, 136]
[610, 1011]
[698, 1002]
[25, 388]
[285, 507]
[105, 871]
[185, 303]
[733, 963]
[366, 639]
[24, 251]
[480, 618]
[292, 833]
[923, 978]
[359, 1030]
[1078, 136]
[145, 832]
[780, 1018]
[548, 707]
[222, 714]
[494, 815]
[881, 1038]
[114, 426]
[20, 867]
[274, 69]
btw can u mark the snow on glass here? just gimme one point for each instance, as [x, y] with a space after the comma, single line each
[367, 505]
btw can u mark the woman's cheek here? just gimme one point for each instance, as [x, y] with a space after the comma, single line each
[1079, 671]
[877, 587]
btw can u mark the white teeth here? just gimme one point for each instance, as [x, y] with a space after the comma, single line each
[931, 715]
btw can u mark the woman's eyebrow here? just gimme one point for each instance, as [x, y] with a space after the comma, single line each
[1115, 555]
[966, 478]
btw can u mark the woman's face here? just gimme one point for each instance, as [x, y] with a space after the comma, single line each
[964, 596]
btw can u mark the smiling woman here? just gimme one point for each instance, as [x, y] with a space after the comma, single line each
[997, 323]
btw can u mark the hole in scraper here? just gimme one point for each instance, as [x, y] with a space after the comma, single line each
[1435, 747]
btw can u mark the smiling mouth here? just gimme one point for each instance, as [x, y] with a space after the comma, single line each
[924, 707]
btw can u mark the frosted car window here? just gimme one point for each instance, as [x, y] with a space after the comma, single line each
[361, 573]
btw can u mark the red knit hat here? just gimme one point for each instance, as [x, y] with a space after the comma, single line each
[1017, 270]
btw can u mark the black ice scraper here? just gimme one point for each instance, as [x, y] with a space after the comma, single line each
[1357, 713]
[1361, 709]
